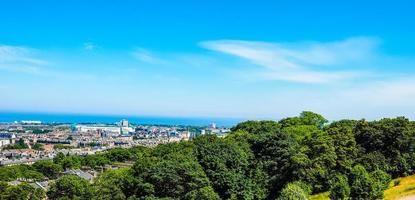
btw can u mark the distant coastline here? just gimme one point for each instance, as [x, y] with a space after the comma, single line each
[85, 118]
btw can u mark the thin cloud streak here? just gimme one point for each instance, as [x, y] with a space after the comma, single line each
[20, 60]
[303, 61]
[12, 54]
[146, 56]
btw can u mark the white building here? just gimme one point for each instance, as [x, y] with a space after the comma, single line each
[6, 139]
[112, 129]
[124, 123]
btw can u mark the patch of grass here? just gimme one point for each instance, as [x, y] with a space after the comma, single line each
[320, 196]
[405, 187]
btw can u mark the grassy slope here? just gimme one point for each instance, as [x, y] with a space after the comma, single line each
[406, 187]
[321, 196]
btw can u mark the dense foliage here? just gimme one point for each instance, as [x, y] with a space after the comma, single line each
[287, 159]
[20, 192]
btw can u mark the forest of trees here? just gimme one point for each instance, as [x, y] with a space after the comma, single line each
[287, 159]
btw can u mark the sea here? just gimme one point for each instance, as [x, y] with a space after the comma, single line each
[6, 117]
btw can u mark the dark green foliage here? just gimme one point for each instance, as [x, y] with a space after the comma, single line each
[339, 188]
[59, 158]
[373, 161]
[366, 185]
[63, 146]
[170, 171]
[361, 184]
[205, 193]
[40, 131]
[119, 155]
[278, 153]
[94, 161]
[71, 187]
[381, 179]
[48, 168]
[71, 162]
[227, 165]
[393, 138]
[289, 159]
[317, 158]
[11, 173]
[305, 118]
[257, 127]
[344, 142]
[111, 185]
[37, 146]
[22, 191]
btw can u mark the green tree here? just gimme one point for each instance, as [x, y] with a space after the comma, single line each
[205, 193]
[367, 186]
[71, 162]
[257, 127]
[394, 138]
[278, 153]
[305, 118]
[95, 160]
[344, 142]
[119, 155]
[293, 191]
[314, 158]
[37, 146]
[111, 185]
[72, 187]
[58, 158]
[22, 191]
[339, 188]
[380, 181]
[48, 168]
[227, 164]
[169, 170]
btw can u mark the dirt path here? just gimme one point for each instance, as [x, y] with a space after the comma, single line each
[412, 197]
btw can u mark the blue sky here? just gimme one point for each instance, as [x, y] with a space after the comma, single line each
[243, 59]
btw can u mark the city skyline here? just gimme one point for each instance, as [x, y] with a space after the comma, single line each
[184, 59]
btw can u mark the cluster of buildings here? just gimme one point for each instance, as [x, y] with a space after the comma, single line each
[84, 139]
[7, 139]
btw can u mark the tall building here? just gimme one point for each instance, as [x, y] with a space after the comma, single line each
[212, 126]
[124, 123]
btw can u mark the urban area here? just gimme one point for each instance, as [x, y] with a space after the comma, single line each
[27, 142]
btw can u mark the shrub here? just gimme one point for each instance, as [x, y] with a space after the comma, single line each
[340, 188]
[293, 191]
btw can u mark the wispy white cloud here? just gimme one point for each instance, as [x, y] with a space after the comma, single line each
[18, 54]
[89, 46]
[25, 60]
[20, 59]
[306, 62]
[146, 56]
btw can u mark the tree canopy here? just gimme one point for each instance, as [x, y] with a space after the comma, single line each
[286, 159]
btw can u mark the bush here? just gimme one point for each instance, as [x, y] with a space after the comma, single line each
[368, 186]
[293, 191]
[340, 188]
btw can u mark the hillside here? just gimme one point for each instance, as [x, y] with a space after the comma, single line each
[399, 189]
[286, 159]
